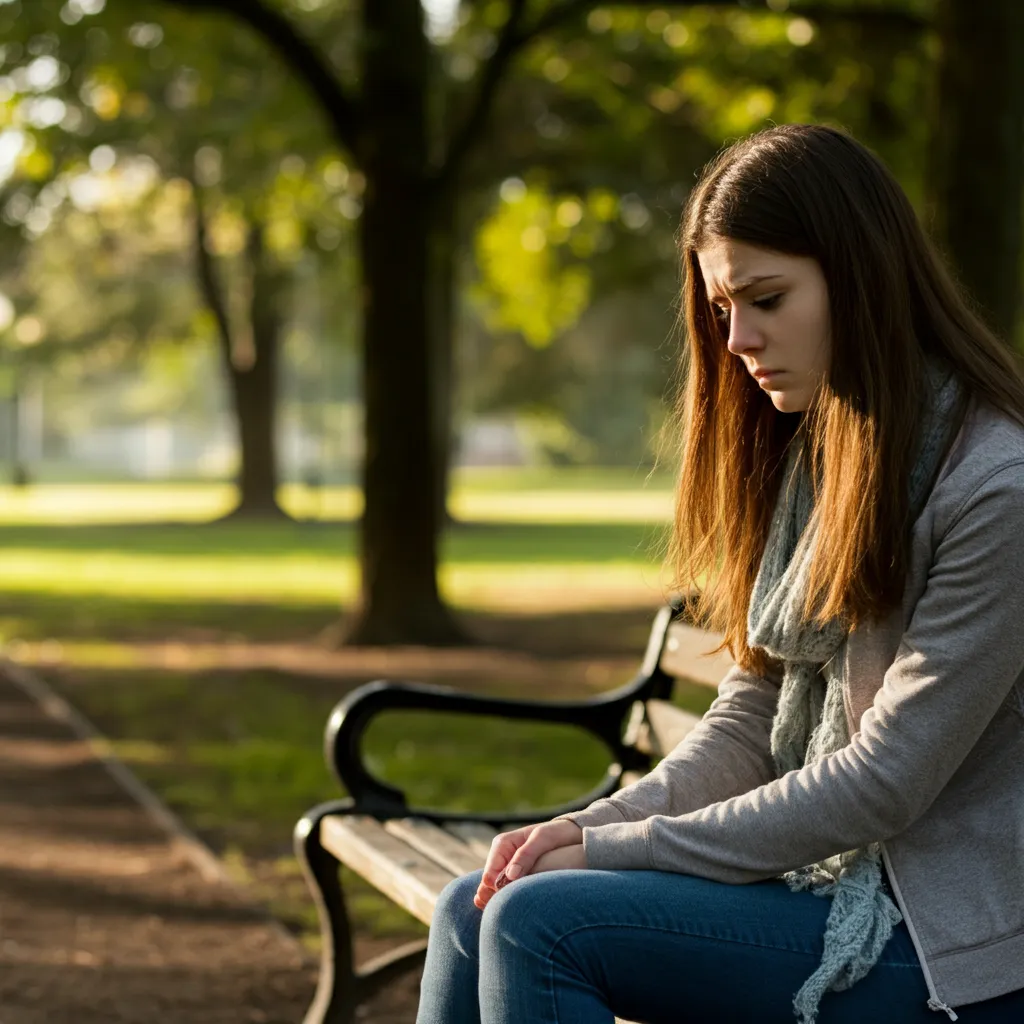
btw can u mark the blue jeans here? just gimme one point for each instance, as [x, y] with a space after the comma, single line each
[580, 947]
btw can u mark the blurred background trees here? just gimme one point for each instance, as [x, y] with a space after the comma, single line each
[319, 241]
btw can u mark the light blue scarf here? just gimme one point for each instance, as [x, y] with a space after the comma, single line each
[810, 720]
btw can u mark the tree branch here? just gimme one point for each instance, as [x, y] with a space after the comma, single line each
[206, 274]
[300, 55]
[494, 71]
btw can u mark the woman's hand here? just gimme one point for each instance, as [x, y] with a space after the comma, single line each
[518, 853]
[561, 859]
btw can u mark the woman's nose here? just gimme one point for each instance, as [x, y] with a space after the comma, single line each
[743, 336]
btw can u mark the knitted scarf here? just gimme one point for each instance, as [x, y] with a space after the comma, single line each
[810, 720]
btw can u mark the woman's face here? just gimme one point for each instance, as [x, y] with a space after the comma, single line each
[774, 309]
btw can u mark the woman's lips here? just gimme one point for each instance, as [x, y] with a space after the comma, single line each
[767, 378]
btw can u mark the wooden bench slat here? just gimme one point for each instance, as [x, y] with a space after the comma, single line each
[440, 846]
[403, 874]
[684, 654]
[476, 835]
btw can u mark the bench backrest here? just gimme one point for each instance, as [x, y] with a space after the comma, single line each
[657, 725]
[685, 654]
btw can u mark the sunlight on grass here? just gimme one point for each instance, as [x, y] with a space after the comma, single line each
[493, 565]
[555, 506]
[319, 580]
[126, 503]
[200, 577]
[506, 495]
[83, 654]
[137, 752]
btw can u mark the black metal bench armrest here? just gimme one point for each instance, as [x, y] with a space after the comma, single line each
[602, 716]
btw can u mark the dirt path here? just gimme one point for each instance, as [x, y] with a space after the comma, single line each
[104, 918]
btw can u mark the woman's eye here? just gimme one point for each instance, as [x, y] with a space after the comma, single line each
[768, 302]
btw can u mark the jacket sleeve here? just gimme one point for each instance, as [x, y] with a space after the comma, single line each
[957, 662]
[726, 753]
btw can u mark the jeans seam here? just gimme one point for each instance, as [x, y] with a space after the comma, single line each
[551, 980]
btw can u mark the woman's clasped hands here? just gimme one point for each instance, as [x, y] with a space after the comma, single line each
[551, 846]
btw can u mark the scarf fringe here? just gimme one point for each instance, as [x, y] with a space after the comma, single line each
[860, 923]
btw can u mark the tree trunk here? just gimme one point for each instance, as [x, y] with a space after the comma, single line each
[442, 295]
[253, 371]
[252, 393]
[399, 600]
[978, 152]
[19, 472]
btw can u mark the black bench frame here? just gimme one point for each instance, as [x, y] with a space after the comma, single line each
[342, 987]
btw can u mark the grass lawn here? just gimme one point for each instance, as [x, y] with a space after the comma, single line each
[564, 494]
[192, 646]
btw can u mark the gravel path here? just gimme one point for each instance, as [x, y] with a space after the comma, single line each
[103, 917]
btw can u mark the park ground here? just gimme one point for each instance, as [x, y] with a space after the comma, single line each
[199, 649]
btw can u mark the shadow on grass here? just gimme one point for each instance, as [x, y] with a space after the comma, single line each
[39, 616]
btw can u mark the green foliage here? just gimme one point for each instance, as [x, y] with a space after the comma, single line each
[148, 97]
[517, 253]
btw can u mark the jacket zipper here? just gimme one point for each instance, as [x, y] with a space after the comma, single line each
[934, 1002]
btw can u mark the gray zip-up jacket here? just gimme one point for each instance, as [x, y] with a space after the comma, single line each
[934, 770]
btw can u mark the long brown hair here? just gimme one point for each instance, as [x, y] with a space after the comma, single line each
[810, 190]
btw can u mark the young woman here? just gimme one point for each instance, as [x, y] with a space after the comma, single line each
[842, 837]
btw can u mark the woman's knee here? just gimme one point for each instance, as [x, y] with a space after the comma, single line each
[455, 914]
[525, 911]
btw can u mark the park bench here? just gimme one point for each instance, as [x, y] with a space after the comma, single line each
[410, 854]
